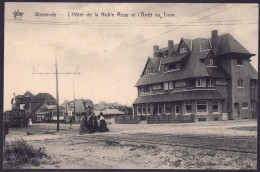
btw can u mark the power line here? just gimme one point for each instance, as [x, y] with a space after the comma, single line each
[113, 23]
[206, 10]
[180, 27]
[141, 24]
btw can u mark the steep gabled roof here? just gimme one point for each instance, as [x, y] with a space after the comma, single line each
[194, 65]
[174, 58]
[28, 94]
[188, 42]
[155, 62]
[252, 72]
[228, 44]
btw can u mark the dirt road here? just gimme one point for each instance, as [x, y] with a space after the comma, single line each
[206, 145]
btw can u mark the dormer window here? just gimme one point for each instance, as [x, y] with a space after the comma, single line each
[165, 53]
[150, 71]
[211, 62]
[172, 67]
[183, 50]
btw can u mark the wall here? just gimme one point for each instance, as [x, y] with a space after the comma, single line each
[240, 95]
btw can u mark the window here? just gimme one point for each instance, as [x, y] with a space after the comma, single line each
[252, 106]
[244, 105]
[177, 109]
[144, 110]
[151, 71]
[180, 84]
[239, 61]
[240, 83]
[166, 86]
[187, 107]
[172, 66]
[159, 109]
[201, 82]
[170, 85]
[201, 106]
[215, 106]
[183, 50]
[252, 84]
[148, 110]
[146, 89]
[211, 62]
[168, 109]
[157, 87]
[215, 119]
[165, 53]
[202, 119]
[210, 82]
[191, 83]
[139, 110]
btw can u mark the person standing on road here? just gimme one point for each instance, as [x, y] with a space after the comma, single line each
[103, 124]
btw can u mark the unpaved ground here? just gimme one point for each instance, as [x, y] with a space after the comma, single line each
[205, 145]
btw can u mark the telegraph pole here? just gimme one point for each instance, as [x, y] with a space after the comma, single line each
[57, 95]
[74, 109]
[57, 87]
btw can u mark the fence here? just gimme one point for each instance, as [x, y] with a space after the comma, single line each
[127, 120]
[170, 119]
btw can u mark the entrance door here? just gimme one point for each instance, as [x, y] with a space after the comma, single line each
[236, 112]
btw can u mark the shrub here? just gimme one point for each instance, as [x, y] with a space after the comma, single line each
[18, 152]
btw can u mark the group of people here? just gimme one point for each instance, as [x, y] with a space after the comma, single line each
[93, 124]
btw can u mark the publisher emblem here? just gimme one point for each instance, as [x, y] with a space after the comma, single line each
[18, 15]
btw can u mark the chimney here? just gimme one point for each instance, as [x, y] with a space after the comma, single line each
[155, 49]
[214, 41]
[170, 47]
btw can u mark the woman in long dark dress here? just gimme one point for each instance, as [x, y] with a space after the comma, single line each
[84, 125]
[91, 124]
[103, 124]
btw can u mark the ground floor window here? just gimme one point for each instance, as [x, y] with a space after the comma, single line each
[177, 109]
[148, 110]
[201, 106]
[202, 119]
[187, 107]
[168, 109]
[159, 109]
[215, 119]
[144, 110]
[215, 107]
[244, 105]
[139, 110]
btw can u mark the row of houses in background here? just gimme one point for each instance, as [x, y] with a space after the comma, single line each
[43, 108]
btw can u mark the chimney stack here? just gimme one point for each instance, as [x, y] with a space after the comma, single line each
[170, 47]
[214, 41]
[155, 49]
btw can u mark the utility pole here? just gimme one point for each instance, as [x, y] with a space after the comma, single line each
[57, 95]
[74, 109]
[57, 87]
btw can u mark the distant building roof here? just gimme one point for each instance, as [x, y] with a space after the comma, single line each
[109, 111]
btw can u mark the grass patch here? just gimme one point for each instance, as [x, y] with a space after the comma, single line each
[18, 153]
[245, 128]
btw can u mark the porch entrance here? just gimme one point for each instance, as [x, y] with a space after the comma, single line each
[236, 109]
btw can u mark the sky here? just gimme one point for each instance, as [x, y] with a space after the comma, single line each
[110, 52]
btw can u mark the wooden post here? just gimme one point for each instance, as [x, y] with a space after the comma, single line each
[57, 94]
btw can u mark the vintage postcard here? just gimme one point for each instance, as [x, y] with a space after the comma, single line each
[130, 85]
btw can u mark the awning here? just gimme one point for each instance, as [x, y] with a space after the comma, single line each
[180, 96]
